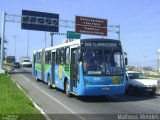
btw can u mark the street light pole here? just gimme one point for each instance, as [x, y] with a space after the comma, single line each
[118, 32]
[143, 62]
[28, 44]
[158, 61]
[15, 37]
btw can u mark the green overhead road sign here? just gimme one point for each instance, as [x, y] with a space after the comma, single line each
[71, 34]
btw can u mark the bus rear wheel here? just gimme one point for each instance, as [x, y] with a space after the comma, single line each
[67, 89]
[37, 79]
[49, 82]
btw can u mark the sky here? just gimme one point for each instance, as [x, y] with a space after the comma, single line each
[138, 20]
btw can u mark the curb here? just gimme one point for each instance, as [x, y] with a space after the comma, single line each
[35, 105]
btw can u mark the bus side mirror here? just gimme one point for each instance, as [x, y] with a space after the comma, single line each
[126, 61]
[126, 77]
[125, 58]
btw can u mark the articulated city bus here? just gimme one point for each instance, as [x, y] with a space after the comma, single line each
[86, 67]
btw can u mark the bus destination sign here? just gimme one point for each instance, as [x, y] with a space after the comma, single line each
[94, 26]
[99, 44]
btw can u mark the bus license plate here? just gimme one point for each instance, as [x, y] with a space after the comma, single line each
[105, 88]
[148, 90]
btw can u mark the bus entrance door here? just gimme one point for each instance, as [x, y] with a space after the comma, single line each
[42, 64]
[74, 70]
[53, 69]
[34, 63]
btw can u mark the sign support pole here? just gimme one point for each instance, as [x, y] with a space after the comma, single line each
[118, 32]
[2, 42]
[119, 36]
[51, 39]
[28, 43]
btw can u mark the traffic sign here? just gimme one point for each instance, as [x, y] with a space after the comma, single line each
[93, 26]
[71, 34]
[41, 21]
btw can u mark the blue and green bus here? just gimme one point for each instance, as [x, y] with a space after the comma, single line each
[83, 67]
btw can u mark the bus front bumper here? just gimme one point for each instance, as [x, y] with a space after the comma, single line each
[99, 90]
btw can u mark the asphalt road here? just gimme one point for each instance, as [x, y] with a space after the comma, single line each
[59, 107]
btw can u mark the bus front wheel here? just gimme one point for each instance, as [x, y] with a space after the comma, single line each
[131, 90]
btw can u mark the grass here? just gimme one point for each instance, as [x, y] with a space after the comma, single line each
[14, 103]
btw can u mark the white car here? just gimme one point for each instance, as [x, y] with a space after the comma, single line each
[137, 83]
[26, 63]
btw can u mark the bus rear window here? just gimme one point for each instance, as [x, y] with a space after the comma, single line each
[26, 61]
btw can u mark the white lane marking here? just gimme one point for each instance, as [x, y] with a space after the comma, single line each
[82, 118]
[23, 76]
[35, 105]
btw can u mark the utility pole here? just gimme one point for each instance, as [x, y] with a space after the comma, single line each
[28, 44]
[2, 42]
[45, 39]
[51, 38]
[143, 62]
[158, 60]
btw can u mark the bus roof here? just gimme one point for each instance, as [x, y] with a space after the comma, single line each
[74, 42]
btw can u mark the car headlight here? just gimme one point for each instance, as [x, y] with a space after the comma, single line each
[154, 85]
[139, 85]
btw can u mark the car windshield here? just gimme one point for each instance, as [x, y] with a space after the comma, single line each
[102, 62]
[16, 63]
[136, 76]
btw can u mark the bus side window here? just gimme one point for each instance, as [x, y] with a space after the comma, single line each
[67, 55]
[48, 57]
[62, 54]
[38, 57]
[58, 56]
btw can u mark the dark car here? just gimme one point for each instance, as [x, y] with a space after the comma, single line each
[16, 64]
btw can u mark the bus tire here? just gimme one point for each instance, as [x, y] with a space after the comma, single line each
[152, 93]
[49, 82]
[131, 90]
[67, 89]
[37, 77]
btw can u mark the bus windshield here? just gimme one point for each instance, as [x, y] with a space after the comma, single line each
[102, 62]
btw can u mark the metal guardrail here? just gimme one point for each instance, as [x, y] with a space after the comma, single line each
[8, 67]
[158, 85]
